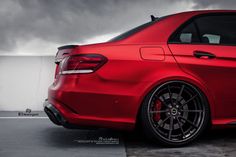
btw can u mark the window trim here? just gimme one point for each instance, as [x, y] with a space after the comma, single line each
[192, 20]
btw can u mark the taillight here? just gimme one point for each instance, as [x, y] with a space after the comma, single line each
[82, 64]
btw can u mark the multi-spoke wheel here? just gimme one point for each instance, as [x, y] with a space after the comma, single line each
[175, 113]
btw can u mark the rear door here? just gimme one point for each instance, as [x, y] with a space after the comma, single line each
[205, 47]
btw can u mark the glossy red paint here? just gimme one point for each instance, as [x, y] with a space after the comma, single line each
[112, 95]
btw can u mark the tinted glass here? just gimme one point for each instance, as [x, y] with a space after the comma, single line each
[219, 29]
[210, 29]
[187, 35]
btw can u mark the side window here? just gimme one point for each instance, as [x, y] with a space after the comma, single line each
[187, 35]
[217, 29]
[209, 29]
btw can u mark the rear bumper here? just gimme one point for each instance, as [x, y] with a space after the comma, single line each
[57, 118]
[89, 100]
[60, 115]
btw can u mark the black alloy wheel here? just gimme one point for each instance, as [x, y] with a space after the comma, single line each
[175, 113]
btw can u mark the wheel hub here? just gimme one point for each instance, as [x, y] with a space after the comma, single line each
[174, 111]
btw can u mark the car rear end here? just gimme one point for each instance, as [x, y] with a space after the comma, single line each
[63, 95]
[88, 92]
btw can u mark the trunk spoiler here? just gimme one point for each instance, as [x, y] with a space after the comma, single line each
[63, 52]
[67, 47]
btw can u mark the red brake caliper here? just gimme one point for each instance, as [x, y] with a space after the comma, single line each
[157, 107]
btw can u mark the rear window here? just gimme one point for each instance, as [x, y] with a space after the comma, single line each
[135, 30]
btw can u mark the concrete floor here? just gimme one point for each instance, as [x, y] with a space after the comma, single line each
[38, 137]
[216, 143]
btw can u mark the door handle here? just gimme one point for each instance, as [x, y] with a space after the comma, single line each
[203, 54]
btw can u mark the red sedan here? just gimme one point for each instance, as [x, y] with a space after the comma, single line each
[175, 76]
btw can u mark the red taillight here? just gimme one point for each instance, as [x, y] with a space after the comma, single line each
[81, 64]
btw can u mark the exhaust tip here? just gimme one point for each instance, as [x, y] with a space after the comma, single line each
[51, 116]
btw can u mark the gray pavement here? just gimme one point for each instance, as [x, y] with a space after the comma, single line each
[40, 138]
[215, 143]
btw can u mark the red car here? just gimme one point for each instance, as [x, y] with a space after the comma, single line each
[175, 76]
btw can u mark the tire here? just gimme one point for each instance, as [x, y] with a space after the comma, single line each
[174, 114]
